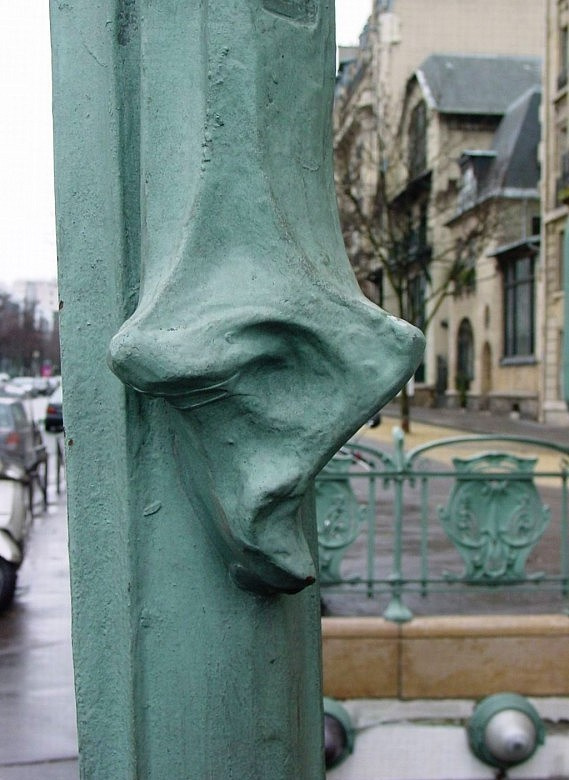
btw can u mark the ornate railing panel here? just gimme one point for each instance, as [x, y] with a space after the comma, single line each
[494, 524]
[339, 517]
[398, 524]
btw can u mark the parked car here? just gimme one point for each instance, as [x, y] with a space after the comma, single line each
[15, 391]
[15, 519]
[54, 412]
[24, 384]
[20, 438]
[42, 385]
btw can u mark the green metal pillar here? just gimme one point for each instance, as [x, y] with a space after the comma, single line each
[216, 351]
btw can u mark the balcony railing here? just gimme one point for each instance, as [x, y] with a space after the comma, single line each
[445, 525]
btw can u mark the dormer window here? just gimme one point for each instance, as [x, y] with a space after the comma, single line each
[474, 168]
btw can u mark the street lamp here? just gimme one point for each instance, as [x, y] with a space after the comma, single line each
[338, 733]
[505, 730]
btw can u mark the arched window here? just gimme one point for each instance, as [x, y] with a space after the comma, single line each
[465, 351]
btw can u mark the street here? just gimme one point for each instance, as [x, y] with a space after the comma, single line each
[37, 709]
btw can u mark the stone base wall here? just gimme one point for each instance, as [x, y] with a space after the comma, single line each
[446, 657]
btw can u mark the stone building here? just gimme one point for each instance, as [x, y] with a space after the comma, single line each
[555, 197]
[452, 103]
[374, 111]
[492, 314]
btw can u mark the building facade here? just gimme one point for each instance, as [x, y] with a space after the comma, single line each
[492, 346]
[555, 196]
[389, 91]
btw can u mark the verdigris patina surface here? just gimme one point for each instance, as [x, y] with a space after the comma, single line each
[250, 322]
[198, 236]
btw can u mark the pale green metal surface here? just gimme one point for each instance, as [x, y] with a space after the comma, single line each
[494, 517]
[195, 200]
[250, 322]
[339, 517]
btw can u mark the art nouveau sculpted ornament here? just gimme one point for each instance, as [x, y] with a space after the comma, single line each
[250, 323]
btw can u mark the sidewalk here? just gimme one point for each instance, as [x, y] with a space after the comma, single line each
[37, 707]
[428, 425]
[464, 420]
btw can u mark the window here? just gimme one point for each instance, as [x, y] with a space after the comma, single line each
[465, 269]
[465, 350]
[465, 359]
[417, 155]
[560, 259]
[519, 307]
[561, 141]
[423, 222]
[375, 286]
[563, 57]
[468, 189]
[416, 300]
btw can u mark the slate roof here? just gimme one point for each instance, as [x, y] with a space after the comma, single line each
[510, 168]
[476, 84]
[516, 141]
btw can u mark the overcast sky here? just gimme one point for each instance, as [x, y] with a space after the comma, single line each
[27, 233]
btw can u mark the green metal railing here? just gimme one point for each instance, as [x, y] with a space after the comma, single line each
[448, 517]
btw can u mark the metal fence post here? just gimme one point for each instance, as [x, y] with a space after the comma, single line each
[396, 610]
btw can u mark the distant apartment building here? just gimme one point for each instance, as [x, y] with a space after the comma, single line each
[42, 295]
[406, 32]
[555, 198]
[398, 141]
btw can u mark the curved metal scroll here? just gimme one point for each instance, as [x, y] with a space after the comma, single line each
[250, 323]
[495, 523]
[339, 517]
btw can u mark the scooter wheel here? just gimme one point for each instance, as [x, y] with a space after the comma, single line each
[8, 574]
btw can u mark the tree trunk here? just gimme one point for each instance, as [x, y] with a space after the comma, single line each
[405, 410]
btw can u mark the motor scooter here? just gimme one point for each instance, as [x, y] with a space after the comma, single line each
[15, 519]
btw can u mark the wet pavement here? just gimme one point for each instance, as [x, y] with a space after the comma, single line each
[38, 739]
